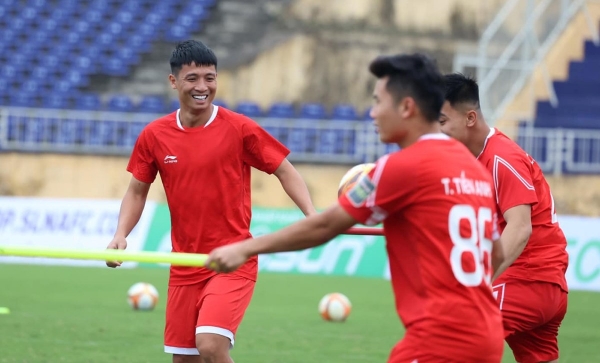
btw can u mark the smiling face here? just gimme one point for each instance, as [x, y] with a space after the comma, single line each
[196, 86]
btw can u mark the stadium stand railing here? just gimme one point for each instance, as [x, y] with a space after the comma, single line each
[557, 150]
[114, 133]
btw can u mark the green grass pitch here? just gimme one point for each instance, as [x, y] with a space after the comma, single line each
[74, 314]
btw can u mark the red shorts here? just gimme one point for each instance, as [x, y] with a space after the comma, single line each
[418, 347]
[532, 312]
[216, 305]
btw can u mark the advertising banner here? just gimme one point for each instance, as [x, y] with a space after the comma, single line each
[65, 223]
[366, 256]
[90, 224]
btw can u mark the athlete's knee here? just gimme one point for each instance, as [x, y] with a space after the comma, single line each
[213, 348]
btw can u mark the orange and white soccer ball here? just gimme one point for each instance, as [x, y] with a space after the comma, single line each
[335, 307]
[352, 176]
[142, 296]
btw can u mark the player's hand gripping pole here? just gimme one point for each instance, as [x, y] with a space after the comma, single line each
[173, 258]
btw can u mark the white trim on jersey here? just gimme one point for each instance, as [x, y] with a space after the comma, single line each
[492, 132]
[376, 176]
[377, 214]
[181, 351]
[211, 119]
[436, 136]
[499, 160]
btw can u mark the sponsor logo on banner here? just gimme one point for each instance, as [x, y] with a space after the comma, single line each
[65, 223]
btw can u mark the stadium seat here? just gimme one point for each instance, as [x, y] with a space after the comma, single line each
[313, 111]
[281, 110]
[344, 112]
[120, 103]
[87, 102]
[151, 104]
[220, 103]
[249, 109]
[55, 101]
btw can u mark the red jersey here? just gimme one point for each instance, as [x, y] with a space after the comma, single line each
[519, 180]
[437, 207]
[206, 175]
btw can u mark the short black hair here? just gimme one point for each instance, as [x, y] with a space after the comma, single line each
[461, 89]
[191, 51]
[412, 75]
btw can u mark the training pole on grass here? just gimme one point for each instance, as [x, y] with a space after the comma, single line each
[365, 231]
[173, 258]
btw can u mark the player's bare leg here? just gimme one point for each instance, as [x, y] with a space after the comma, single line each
[213, 348]
[179, 358]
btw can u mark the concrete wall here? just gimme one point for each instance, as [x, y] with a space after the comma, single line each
[70, 176]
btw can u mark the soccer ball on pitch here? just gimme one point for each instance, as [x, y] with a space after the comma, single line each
[142, 296]
[335, 307]
[352, 176]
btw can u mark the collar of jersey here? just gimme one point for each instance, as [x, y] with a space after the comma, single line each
[210, 120]
[492, 132]
[434, 136]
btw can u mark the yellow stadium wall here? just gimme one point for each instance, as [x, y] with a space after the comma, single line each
[71, 176]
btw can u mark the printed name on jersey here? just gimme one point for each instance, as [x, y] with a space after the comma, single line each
[361, 191]
[464, 185]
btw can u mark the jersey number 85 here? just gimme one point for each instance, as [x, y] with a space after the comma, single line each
[475, 244]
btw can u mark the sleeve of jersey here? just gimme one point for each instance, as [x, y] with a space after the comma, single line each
[141, 163]
[513, 182]
[261, 150]
[376, 195]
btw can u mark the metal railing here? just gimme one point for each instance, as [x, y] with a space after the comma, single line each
[114, 133]
[513, 44]
[313, 141]
[558, 150]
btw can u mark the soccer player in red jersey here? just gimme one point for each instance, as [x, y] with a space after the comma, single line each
[530, 286]
[204, 154]
[436, 203]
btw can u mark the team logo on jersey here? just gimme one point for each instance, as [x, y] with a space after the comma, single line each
[170, 159]
[361, 191]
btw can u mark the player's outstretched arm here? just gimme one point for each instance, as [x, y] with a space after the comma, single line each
[515, 235]
[310, 232]
[132, 207]
[295, 187]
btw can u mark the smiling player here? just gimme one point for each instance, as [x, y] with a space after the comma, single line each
[203, 154]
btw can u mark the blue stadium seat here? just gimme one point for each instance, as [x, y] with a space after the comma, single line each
[115, 67]
[70, 132]
[151, 104]
[220, 103]
[173, 105]
[585, 72]
[344, 112]
[55, 101]
[313, 111]
[282, 110]
[176, 33]
[34, 130]
[120, 103]
[21, 99]
[571, 89]
[133, 130]
[249, 109]
[102, 133]
[591, 50]
[88, 101]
